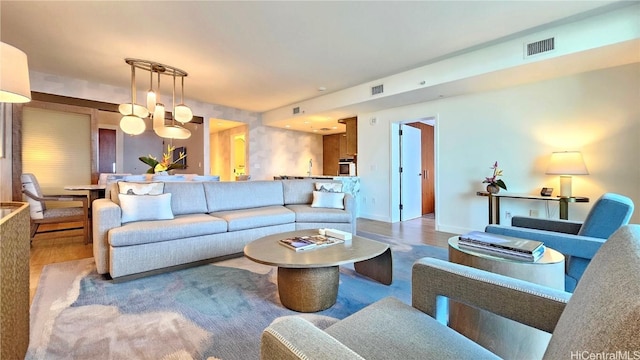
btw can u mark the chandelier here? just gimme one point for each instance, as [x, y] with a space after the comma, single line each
[133, 120]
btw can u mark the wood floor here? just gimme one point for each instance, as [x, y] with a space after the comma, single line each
[49, 248]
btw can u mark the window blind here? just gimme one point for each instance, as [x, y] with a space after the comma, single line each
[56, 148]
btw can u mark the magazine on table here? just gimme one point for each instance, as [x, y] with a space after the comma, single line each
[493, 244]
[302, 243]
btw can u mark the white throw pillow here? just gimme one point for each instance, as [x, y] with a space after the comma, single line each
[322, 199]
[329, 186]
[145, 207]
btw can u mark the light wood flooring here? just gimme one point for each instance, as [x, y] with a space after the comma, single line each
[60, 246]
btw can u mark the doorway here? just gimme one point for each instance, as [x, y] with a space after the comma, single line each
[424, 178]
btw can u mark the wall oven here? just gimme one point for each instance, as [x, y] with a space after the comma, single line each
[346, 167]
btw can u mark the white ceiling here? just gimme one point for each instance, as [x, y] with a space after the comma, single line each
[263, 55]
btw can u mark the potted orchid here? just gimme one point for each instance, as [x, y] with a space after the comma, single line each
[167, 163]
[494, 183]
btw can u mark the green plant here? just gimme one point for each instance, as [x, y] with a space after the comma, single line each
[166, 163]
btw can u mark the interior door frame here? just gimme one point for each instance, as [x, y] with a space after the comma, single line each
[16, 139]
[394, 187]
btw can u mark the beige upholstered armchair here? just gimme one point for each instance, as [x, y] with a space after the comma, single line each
[41, 215]
[602, 316]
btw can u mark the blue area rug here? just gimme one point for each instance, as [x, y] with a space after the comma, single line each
[215, 311]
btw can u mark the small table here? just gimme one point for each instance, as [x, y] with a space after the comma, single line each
[564, 202]
[308, 280]
[96, 191]
[506, 338]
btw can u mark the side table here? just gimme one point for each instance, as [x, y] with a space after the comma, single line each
[564, 202]
[504, 337]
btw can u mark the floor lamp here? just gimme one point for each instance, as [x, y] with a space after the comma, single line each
[565, 164]
[14, 83]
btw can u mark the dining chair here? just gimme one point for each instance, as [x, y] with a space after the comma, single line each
[41, 215]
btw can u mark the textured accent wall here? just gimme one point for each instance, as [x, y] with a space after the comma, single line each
[14, 280]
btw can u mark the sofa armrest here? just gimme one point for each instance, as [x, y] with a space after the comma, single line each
[525, 302]
[562, 226]
[106, 215]
[350, 206]
[292, 337]
[569, 245]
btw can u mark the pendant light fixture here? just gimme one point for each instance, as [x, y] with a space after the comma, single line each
[132, 123]
[155, 109]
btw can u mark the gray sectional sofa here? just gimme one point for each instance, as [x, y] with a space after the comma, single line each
[206, 220]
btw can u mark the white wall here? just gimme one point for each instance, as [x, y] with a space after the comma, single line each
[595, 112]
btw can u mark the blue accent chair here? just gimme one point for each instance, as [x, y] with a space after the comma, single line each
[578, 241]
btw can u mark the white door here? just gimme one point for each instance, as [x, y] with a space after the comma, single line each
[411, 175]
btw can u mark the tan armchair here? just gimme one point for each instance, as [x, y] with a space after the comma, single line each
[602, 316]
[41, 215]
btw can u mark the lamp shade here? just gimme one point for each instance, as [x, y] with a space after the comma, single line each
[567, 163]
[182, 113]
[132, 125]
[14, 75]
[173, 132]
[138, 110]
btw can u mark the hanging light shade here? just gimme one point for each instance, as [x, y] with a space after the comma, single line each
[173, 132]
[132, 123]
[14, 75]
[182, 112]
[151, 95]
[158, 117]
[138, 110]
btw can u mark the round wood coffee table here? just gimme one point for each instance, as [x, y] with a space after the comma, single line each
[308, 280]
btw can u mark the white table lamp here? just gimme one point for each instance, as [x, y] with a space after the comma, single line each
[565, 164]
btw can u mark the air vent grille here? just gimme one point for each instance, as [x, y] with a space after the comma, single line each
[296, 110]
[378, 89]
[540, 47]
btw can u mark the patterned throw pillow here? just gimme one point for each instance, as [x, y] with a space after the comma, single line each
[329, 186]
[133, 188]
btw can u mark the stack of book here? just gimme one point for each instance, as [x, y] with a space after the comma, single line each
[301, 243]
[502, 246]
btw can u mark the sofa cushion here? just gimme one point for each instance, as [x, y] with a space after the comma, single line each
[298, 191]
[333, 200]
[236, 195]
[306, 213]
[188, 197]
[256, 217]
[145, 207]
[391, 329]
[182, 226]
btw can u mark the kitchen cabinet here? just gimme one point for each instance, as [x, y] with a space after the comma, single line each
[334, 148]
[352, 135]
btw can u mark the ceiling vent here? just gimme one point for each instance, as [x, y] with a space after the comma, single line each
[296, 110]
[378, 89]
[540, 47]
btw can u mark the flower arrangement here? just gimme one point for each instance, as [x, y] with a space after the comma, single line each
[167, 163]
[493, 180]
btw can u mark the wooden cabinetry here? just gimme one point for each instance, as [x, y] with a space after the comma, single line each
[334, 148]
[352, 135]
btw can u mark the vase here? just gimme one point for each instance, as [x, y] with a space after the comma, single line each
[492, 189]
